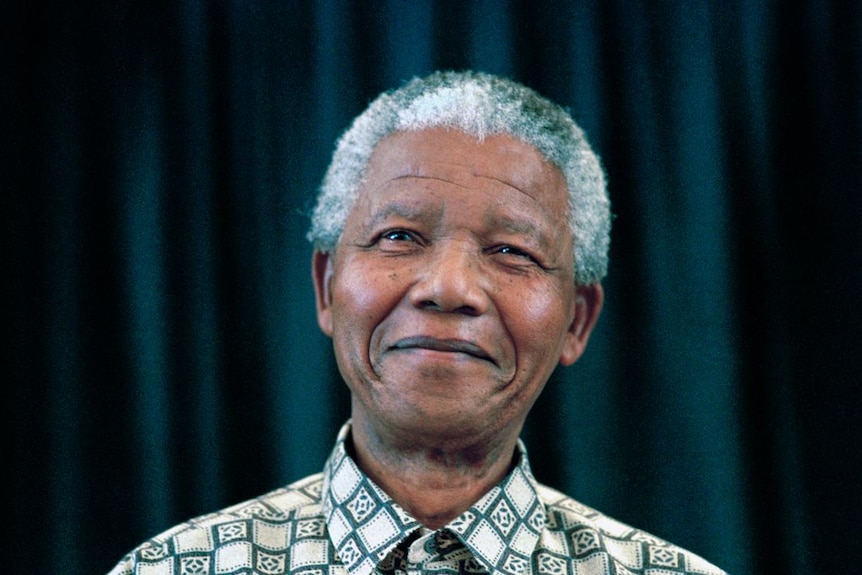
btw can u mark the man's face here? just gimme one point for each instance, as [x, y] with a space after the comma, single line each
[450, 297]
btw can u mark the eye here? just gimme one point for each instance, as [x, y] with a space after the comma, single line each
[398, 241]
[515, 252]
[397, 236]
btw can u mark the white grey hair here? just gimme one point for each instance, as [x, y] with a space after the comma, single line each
[478, 104]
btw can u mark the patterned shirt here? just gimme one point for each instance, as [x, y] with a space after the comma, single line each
[340, 523]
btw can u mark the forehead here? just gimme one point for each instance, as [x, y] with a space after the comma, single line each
[499, 164]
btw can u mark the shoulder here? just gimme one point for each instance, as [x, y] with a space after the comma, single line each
[574, 531]
[263, 524]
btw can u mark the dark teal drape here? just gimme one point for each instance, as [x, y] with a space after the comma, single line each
[161, 357]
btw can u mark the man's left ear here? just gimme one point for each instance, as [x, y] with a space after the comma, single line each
[588, 305]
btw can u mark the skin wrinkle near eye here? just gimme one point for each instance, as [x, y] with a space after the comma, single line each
[418, 212]
[534, 236]
[530, 237]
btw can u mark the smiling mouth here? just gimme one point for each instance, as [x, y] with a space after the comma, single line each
[444, 345]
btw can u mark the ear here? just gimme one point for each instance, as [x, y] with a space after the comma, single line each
[588, 305]
[321, 274]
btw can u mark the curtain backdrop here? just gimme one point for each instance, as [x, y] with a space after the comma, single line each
[162, 358]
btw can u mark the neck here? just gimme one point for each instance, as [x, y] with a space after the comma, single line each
[434, 481]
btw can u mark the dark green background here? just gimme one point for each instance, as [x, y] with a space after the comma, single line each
[161, 357]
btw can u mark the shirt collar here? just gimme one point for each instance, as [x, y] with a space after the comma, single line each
[501, 530]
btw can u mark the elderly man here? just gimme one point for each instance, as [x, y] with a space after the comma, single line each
[460, 236]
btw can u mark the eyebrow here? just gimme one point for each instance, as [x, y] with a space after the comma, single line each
[410, 211]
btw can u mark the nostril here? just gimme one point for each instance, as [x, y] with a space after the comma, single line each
[467, 310]
[435, 306]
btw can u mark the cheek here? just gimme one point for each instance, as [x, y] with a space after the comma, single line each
[354, 323]
[540, 323]
[362, 299]
[355, 297]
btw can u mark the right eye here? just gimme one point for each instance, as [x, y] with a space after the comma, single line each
[398, 241]
[397, 236]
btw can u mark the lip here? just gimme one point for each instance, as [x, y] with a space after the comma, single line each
[444, 345]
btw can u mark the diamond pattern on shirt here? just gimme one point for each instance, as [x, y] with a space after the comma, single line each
[195, 565]
[487, 529]
[364, 523]
[340, 523]
[503, 517]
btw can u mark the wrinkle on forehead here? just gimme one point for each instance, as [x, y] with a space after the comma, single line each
[525, 166]
[414, 176]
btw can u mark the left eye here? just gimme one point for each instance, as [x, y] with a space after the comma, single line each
[513, 251]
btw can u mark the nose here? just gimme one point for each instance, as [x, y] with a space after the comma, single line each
[452, 281]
